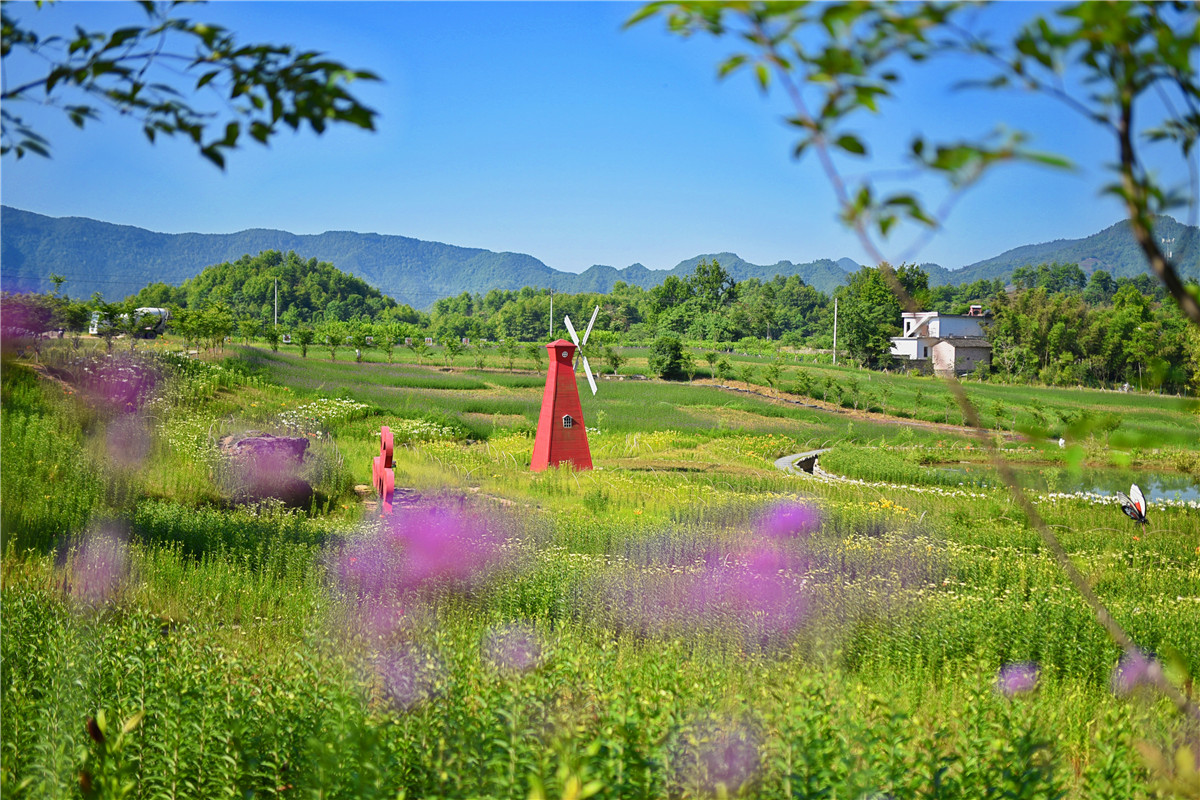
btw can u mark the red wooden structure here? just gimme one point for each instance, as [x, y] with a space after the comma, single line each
[382, 474]
[561, 435]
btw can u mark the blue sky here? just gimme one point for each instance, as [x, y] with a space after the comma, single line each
[544, 128]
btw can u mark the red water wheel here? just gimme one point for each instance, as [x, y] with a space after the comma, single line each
[382, 474]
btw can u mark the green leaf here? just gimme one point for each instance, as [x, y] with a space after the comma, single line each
[851, 144]
[730, 64]
[32, 147]
[133, 721]
[1048, 159]
[642, 14]
[840, 16]
[214, 155]
[119, 37]
[56, 74]
[205, 78]
[260, 131]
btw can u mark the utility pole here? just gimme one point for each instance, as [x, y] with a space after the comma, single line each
[277, 302]
[552, 315]
[835, 312]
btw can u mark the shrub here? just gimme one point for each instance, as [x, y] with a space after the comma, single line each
[724, 369]
[666, 357]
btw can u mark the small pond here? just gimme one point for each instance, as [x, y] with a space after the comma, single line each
[1097, 480]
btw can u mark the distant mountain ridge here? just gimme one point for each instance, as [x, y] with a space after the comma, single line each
[1113, 250]
[117, 260]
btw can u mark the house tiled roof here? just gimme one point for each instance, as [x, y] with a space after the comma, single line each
[965, 341]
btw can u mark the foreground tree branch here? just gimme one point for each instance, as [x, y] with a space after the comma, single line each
[156, 72]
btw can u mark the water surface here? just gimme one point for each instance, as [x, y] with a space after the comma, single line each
[1097, 480]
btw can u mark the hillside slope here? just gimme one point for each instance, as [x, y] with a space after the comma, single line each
[1113, 250]
[117, 260]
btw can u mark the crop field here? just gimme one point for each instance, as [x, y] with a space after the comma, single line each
[685, 620]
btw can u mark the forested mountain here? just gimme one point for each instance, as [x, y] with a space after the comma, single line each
[1112, 250]
[118, 260]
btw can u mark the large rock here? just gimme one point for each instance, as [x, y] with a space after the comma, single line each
[263, 466]
[256, 446]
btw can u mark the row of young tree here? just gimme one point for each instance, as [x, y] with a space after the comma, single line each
[1053, 324]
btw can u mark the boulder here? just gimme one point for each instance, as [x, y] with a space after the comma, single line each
[256, 446]
[263, 466]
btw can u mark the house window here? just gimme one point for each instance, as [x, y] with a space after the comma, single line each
[568, 422]
[926, 349]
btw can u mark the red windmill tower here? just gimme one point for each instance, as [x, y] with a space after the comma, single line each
[561, 435]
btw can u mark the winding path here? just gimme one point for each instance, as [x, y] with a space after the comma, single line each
[800, 462]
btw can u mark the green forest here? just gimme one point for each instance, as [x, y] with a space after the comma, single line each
[1053, 324]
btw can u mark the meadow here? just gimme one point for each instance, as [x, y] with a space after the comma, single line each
[686, 620]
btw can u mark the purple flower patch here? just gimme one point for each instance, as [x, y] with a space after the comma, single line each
[120, 383]
[513, 648]
[715, 758]
[127, 441]
[1133, 670]
[99, 566]
[1017, 678]
[788, 520]
[409, 675]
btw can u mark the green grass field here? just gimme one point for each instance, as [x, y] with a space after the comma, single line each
[685, 620]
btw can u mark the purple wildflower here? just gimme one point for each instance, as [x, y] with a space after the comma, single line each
[127, 441]
[756, 592]
[120, 383]
[382, 617]
[445, 545]
[789, 519]
[756, 587]
[413, 556]
[1016, 678]
[410, 675]
[717, 759]
[513, 648]
[1133, 670]
[100, 564]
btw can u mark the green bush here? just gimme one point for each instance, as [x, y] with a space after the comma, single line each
[666, 357]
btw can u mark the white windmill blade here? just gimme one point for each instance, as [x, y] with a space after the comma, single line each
[571, 330]
[591, 322]
[587, 370]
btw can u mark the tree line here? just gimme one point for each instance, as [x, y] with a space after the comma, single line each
[1053, 323]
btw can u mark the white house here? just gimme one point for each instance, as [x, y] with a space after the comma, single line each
[964, 347]
[960, 354]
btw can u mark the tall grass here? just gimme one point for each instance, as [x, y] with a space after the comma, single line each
[890, 684]
[50, 486]
[628, 646]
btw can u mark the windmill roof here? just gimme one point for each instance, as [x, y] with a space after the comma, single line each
[560, 343]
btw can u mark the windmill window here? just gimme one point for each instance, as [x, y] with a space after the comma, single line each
[568, 421]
